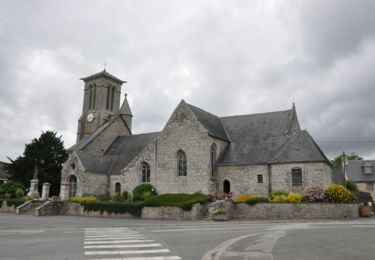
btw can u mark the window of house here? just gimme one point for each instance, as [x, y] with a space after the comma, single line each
[213, 159]
[181, 163]
[107, 101]
[112, 97]
[145, 172]
[72, 188]
[367, 169]
[296, 177]
[260, 178]
[370, 186]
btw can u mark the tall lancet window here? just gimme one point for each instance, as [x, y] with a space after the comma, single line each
[108, 95]
[112, 97]
[90, 97]
[181, 163]
[94, 96]
[213, 159]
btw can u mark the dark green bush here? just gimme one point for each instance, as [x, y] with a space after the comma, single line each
[14, 202]
[351, 185]
[114, 207]
[255, 200]
[140, 190]
[181, 200]
[11, 188]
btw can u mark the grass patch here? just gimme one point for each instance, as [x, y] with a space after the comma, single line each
[181, 200]
[114, 207]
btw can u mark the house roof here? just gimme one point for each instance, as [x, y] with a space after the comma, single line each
[125, 148]
[104, 74]
[338, 176]
[299, 148]
[256, 138]
[355, 172]
[3, 173]
[210, 122]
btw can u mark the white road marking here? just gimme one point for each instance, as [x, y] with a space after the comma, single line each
[118, 241]
[127, 252]
[114, 238]
[143, 258]
[123, 246]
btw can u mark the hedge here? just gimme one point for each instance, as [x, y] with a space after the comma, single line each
[113, 207]
[181, 200]
[12, 202]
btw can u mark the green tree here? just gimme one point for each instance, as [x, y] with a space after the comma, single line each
[48, 153]
[336, 163]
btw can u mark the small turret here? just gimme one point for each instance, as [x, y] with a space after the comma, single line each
[126, 112]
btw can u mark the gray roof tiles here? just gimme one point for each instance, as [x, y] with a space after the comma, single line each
[354, 171]
[88, 139]
[103, 73]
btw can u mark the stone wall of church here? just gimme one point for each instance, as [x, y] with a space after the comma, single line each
[183, 132]
[88, 183]
[221, 146]
[244, 179]
[100, 144]
[313, 174]
[131, 175]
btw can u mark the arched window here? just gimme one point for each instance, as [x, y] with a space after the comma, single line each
[118, 188]
[90, 96]
[108, 94]
[94, 97]
[226, 186]
[213, 159]
[72, 182]
[296, 177]
[181, 163]
[112, 97]
[145, 172]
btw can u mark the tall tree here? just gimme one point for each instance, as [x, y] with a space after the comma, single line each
[48, 153]
[336, 163]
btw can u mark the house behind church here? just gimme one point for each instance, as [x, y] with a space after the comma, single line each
[195, 151]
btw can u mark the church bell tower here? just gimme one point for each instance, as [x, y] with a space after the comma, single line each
[101, 101]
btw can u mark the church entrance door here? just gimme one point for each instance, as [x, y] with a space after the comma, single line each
[226, 186]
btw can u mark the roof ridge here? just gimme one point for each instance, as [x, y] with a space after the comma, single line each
[202, 110]
[264, 113]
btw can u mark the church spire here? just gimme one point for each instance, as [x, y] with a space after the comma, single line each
[126, 113]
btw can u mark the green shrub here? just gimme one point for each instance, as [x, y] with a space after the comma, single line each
[14, 202]
[277, 193]
[20, 193]
[337, 193]
[290, 198]
[117, 198]
[255, 200]
[140, 190]
[10, 188]
[84, 199]
[114, 207]
[181, 200]
[351, 185]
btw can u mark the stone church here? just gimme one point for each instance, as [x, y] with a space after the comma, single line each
[195, 151]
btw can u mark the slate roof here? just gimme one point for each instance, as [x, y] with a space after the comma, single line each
[105, 74]
[355, 172]
[3, 173]
[125, 148]
[338, 176]
[210, 122]
[88, 139]
[118, 155]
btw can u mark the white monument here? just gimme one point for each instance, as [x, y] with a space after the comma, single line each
[34, 184]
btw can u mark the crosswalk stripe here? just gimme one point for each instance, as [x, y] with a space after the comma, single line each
[119, 241]
[114, 238]
[143, 258]
[127, 252]
[123, 246]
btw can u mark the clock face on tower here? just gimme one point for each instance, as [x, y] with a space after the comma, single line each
[90, 117]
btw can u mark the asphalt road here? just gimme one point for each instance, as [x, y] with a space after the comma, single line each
[68, 237]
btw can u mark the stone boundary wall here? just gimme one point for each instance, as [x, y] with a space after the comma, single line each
[295, 211]
[5, 209]
[197, 212]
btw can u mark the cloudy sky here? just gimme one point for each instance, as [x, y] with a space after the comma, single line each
[227, 57]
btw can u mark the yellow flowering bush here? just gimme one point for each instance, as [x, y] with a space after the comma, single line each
[242, 198]
[86, 199]
[337, 193]
[290, 198]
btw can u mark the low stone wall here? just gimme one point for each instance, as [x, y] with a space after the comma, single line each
[295, 211]
[174, 213]
[5, 209]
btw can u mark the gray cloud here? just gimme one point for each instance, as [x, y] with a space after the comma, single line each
[226, 57]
